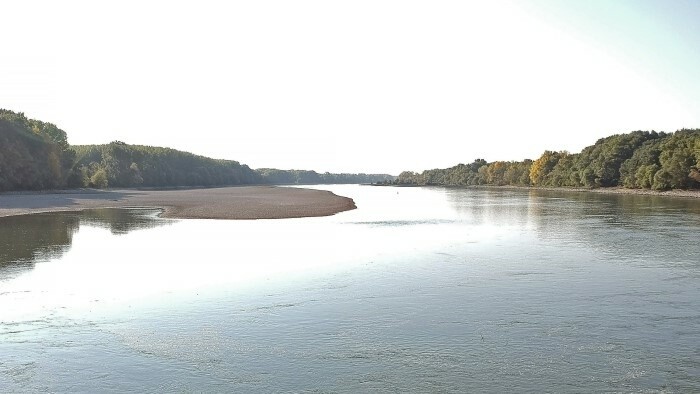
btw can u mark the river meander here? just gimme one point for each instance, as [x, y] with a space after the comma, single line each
[418, 290]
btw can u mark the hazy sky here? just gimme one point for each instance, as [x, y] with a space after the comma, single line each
[354, 86]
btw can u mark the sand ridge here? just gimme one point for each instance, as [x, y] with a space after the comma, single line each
[239, 202]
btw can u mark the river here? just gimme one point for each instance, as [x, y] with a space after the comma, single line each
[417, 290]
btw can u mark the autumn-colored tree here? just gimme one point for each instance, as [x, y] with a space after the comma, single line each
[543, 166]
[640, 159]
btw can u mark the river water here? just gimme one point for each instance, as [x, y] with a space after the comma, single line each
[418, 290]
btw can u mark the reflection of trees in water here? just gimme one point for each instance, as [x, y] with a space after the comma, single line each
[489, 206]
[617, 224]
[122, 221]
[27, 239]
[637, 226]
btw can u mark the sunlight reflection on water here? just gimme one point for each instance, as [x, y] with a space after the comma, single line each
[419, 289]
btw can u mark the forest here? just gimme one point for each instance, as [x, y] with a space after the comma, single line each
[639, 160]
[305, 177]
[121, 165]
[36, 156]
[33, 154]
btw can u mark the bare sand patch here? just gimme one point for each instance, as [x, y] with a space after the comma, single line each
[241, 202]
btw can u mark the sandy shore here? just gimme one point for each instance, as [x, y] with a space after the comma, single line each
[244, 202]
[616, 190]
[647, 192]
[601, 190]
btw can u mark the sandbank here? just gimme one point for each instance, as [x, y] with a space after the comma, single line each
[240, 202]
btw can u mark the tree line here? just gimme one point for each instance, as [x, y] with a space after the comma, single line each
[118, 164]
[121, 165]
[640, 159]
[35, 155]
[306, 177]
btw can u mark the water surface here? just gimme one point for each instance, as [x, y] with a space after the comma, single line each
[418, 290]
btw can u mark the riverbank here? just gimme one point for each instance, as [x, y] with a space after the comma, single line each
[241, 202]
[615, 190]
[602, 190]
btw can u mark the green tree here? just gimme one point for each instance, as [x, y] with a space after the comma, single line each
[99, 179]
[33, 154]
[677, 159]
[543, 166]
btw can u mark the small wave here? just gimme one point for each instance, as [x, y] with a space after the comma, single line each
[527, 273]
[273, 307]
[399, 223]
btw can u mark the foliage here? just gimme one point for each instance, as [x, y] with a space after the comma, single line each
[542, 167]
[121, 165]
[599, 164]
[678, 161]
[305, 177]
[36, 155]
[33, 154]
[459, 175]
[640, 159]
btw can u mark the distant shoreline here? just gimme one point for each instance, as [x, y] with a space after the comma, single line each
[233, 203]
[622, 190]
[601, 190]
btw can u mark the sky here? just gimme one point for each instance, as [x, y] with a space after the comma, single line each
[353, 86]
